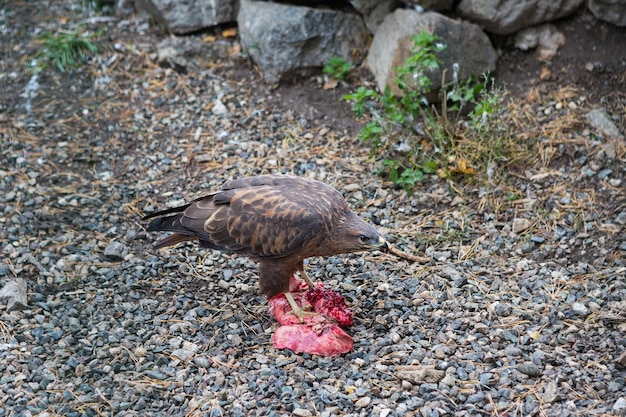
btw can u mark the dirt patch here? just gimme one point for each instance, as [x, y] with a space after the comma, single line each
[592, 60]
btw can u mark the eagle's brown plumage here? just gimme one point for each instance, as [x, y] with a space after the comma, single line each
[278, 220]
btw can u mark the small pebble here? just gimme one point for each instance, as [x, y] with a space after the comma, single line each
[520, 224]
[529, 369]
[115, 251]
[363, 402]
[580, 309]
[537, 239]
[619, 407]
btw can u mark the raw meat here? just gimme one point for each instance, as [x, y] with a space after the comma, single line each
[320, 334]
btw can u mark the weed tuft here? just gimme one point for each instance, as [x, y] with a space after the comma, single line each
[65, 50]
[465, 136]
[337, 68]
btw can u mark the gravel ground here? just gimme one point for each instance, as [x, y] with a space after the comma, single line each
[521, 310]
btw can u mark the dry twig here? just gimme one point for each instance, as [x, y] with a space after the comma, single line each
[408, 256]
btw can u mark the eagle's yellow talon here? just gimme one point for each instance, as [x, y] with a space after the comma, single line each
[296, 310]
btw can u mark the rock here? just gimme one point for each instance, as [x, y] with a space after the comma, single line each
[124, 7]
[439, 5]
[182, 17]
[189, 52]
[373, 11]
[519, 225]
[141, 352]
[454, 274]
[529, 369]
[202, 362]
[427, 388]
[509, 16]
[156, 375]
[73, 324]
[546, 38]
[168, 57]
[604, 173]
[619, 408]
[419, 374]
[301, 412]
[580, 309]
[476, 398]
[449, 380]
[467, 46]
[6, 269]
[115, 251]
[550, 393]
[612, 11]
[183, 354]
[219, 108]
[284, 39]
[513, 351]
[363, 402]
[502, 309]
[14, 294]
[600, 120]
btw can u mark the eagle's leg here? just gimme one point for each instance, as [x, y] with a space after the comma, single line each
[296, 310]
[307, 279]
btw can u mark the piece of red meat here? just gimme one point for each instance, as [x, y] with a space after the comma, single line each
[329, 303]
[301, 338]
[320, 333]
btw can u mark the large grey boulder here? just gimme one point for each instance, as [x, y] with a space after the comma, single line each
[283, 39]
[186, 16]
[467, 46]
[504, 17]
[612, 11]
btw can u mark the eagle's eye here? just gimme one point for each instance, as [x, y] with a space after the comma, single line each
[364, 239]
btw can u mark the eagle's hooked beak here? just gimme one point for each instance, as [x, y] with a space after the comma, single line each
[384, 246]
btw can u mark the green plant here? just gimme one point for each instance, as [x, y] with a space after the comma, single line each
[65, 50]
[488, 137]
[337, 68]
[394, 118]
[400, 173]
[461, 93]
[414, 138]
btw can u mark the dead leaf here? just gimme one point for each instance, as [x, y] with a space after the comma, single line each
[209, 38]
[330, 84]
[229, 33]
[462, 167]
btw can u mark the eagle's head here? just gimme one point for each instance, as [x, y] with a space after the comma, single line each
[353, 234]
